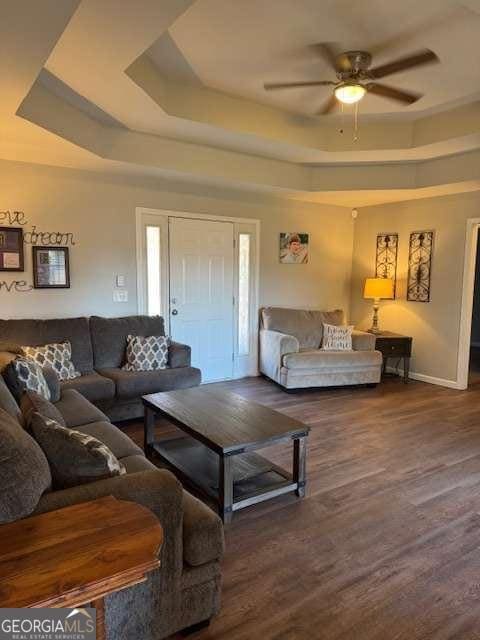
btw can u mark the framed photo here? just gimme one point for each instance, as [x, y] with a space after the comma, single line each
[11, 249]
[51, 269]
[294, 248]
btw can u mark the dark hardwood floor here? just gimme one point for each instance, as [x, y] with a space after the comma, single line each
[386, 545]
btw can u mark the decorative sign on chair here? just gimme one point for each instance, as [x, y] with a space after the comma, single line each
[419, 266]
[386, 257]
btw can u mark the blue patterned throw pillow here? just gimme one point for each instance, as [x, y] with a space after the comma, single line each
[26, 375]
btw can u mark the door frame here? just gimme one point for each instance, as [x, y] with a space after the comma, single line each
[471, 241]
[163, 216]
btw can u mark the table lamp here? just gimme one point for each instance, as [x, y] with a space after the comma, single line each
[377, 288]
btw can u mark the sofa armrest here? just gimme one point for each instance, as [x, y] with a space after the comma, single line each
[273, 346]
[156, 489]
[179, 355]
[363, 341]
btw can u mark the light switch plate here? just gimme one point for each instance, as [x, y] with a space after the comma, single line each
[120, 280]
[120, 296]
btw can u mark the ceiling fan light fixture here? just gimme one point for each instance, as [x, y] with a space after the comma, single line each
[350, 92]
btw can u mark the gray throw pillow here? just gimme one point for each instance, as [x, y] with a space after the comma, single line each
[32, 402]
[146, 353]
[22, 375]
[24, 471]
[75, 458]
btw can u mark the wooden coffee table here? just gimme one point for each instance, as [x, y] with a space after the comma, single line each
[215, 452]
[77, 555]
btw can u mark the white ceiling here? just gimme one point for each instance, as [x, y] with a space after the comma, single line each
[199, 112]
[237, 46]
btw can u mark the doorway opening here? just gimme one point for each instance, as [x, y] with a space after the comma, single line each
[201, 274]
[474, 359]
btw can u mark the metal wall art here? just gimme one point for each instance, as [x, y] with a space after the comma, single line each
[419, 266]
[386, 257]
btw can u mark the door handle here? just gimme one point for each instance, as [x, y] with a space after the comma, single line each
[174, 312]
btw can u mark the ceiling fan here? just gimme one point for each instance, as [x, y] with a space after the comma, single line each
[355, 77]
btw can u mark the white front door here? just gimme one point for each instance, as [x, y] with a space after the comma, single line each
[201, 293]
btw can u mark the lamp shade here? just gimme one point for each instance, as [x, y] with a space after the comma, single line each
[378, 288]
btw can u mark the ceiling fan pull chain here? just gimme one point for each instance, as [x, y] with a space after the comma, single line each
[355, 135]
[342, 121]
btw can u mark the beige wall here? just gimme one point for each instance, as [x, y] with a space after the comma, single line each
[100, 211]
[435, 325]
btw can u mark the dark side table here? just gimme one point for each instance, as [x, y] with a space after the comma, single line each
[394, 345]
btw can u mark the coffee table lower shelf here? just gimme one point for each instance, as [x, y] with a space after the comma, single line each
[254, 478]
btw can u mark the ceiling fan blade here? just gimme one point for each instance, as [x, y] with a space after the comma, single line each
[402, 64]
[271, 86]
[394, 94]
[328, 106]
[327, 52]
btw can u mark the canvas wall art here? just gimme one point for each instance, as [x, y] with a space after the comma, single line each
[419, 266]
[386, 257]
[294, 248]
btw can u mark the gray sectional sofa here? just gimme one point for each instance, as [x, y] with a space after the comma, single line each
[185, 590]
[98, 352]
[290, 353]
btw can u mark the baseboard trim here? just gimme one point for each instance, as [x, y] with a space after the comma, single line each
[421, 377]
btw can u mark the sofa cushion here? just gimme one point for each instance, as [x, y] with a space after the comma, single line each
[109, 336]
[8, 402]
[53, 383]
[203, 539]
[119, 443]
[305, 324]
[332, 360]
[93, 386]
[74, 457]
[132, 384]
[32, 402]
[77, 410]
[24, 471]
[40, 332]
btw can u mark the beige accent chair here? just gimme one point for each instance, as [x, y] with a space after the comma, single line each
[290, 353]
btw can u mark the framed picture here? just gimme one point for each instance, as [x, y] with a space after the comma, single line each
[11, 249]
[419, 266]
[51, 269]
[386, 258]
[294, 248]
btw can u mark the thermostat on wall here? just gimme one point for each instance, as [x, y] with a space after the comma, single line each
[120, 296]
